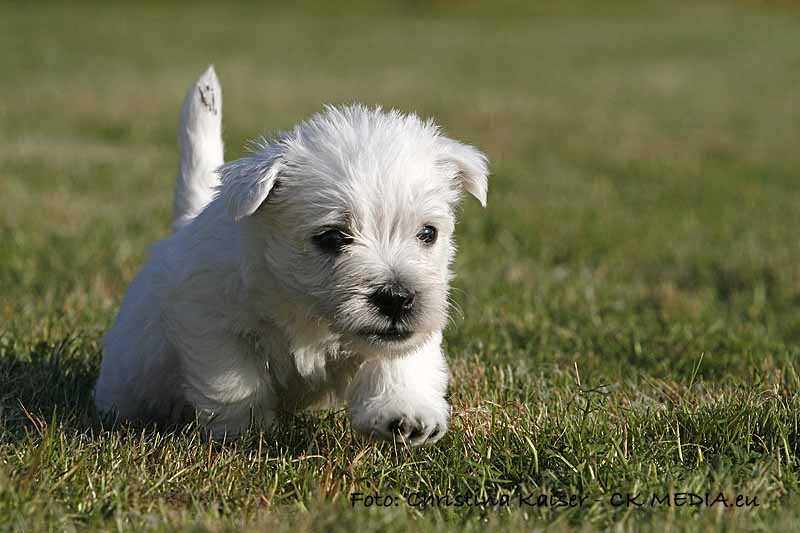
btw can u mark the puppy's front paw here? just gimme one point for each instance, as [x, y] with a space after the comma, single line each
[399, 420]
[416, 431]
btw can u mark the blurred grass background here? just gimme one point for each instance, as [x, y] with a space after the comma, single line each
[641, 240]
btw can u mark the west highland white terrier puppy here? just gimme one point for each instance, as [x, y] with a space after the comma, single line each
[316, 268]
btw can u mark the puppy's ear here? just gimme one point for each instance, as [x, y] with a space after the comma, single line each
[471, 164]
[247, 182]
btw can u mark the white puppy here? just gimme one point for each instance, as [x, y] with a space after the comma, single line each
[317, 268]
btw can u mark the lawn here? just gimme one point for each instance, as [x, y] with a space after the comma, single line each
[629, 301]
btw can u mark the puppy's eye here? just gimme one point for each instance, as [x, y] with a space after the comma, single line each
[427, 234]
[332, 240]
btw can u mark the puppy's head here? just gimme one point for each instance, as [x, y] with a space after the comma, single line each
[352, 212]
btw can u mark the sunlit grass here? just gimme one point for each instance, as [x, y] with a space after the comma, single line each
[630, 298]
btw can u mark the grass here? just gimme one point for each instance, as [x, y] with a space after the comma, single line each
[631, 297]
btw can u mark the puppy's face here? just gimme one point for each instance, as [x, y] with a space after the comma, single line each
[356, 221]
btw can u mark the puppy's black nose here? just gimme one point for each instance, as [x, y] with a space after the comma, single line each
[393, 301]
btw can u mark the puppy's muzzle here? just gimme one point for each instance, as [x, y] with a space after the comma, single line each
[393, 301]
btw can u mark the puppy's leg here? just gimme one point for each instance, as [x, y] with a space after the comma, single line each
[402, 397]
[225, 384]
[139, 375]
[201, 148]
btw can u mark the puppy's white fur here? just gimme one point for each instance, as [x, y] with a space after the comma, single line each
[240, 314]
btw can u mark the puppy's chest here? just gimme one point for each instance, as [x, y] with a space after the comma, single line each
[312, 365]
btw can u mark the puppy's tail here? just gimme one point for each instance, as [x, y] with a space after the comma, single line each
[201, 150]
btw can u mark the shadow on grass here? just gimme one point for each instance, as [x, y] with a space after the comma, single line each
[52, 381]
